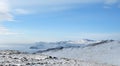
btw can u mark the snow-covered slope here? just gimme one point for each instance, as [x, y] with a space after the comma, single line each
[16, 58]
[107, 51]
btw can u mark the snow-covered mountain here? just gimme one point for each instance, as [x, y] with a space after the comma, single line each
[107, 51]
[102, 51]
[53, 46]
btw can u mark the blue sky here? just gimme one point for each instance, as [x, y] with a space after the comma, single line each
[26, 21]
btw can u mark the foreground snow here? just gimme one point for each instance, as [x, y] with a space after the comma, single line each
[16, 58]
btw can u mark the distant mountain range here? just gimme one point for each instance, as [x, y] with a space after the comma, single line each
[54, 46]
[102, 51]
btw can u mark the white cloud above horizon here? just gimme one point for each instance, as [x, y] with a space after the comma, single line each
[5, 31]
[110, 2]
[5, 14]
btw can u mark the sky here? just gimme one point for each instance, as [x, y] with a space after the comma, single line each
[27, 21]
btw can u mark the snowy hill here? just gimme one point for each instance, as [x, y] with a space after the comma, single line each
[106, 51]
[16, 58]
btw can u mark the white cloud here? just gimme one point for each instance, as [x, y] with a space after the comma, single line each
[110, 2]
[22, 11]
[107, 7]
[5, 31]
[5, 10]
